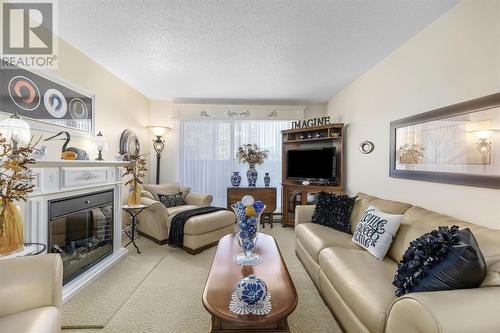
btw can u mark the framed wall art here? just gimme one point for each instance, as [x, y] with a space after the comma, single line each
[457, 144]
[35, 96]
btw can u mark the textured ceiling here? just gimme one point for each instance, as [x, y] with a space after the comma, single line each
[260, 49]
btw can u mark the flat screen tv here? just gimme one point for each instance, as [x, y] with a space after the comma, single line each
[317, 165]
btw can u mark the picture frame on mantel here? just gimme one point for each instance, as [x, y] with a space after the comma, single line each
[49, 103]
[456, 144]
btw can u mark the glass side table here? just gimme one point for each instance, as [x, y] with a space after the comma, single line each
[133, 211]
[30, 249]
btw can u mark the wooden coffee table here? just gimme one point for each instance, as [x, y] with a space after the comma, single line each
[225, 274]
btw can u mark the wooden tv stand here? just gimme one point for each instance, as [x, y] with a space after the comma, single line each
[294, 193]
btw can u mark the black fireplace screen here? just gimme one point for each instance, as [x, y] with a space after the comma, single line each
[81, 231]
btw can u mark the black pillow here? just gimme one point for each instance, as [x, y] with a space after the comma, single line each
[171, 200]
[334, 211]
[443, 259]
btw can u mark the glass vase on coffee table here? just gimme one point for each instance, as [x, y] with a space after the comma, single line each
[247, 232]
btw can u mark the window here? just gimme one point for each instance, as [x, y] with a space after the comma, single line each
[208, 154]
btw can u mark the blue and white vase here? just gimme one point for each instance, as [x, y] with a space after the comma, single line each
[252, 175]
[248, 215]
[251, 296]
[236, 179]
[267, 180]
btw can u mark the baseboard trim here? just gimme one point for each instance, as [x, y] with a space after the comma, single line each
[200, 249]
[157, 241]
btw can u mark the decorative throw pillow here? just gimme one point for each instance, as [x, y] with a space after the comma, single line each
[443, 259]
[171, 200]
[376, 230]
[334, 211]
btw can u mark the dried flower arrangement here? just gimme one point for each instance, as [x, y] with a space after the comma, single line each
[15, 185]
[135, 169]
[411, 154]
[251, 154]
[15, 175]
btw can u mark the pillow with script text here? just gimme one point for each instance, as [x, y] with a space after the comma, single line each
[376, 231]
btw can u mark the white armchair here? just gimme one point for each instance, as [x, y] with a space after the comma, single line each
[31, 294]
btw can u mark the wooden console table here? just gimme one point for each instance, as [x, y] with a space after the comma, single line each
[265, 194]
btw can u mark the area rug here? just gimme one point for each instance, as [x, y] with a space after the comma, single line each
[169, 298]
[94, 306]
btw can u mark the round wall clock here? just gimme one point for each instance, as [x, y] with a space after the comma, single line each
[366, 147]
[129, 144]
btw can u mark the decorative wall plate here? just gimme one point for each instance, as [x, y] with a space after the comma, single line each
[55, 103]
[129, 144]
[78, 109]
[366, 147]
[24, 93]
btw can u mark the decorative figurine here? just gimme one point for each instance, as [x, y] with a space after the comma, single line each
[267, 179]
[69, 153]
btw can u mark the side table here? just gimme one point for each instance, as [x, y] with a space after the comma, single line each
[133, 211]
[265, 194]
[30, 249]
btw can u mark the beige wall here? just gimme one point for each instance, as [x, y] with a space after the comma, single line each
[315, 110]
[117, 105]
[456, 58]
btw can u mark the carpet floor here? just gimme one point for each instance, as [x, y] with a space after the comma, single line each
[160, 291]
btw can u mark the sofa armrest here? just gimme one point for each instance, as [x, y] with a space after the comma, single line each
[198, 199]
[303, 214]
[30, 282]
[465, 310]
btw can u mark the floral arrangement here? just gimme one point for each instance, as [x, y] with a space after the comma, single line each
[251, 154]
[135, 169]
[15, 175]
[411, 154]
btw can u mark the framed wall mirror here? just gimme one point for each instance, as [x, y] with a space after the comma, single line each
[457, 144]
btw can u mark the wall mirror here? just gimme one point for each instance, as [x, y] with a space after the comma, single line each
[457, 144]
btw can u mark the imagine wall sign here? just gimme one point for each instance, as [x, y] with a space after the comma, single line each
[311, 122]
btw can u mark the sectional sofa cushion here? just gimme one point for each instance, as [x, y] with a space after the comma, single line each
[315, 237]
[443, 259]
[386, 206]
[362, 282]
[334, 211]
[376, 231]
[418, 221]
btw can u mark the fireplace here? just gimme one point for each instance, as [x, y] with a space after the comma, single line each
[81, 231]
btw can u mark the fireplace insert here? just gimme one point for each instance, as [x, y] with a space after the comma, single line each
[81, 231]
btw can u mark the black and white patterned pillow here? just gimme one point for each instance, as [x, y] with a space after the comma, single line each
[334, 211]
[171, 200]
[376, 230]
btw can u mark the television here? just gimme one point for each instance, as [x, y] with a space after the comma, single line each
[315, 165]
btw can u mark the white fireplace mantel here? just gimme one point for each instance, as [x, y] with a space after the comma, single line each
[56, 179]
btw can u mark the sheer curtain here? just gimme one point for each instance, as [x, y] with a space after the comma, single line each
[208, 154]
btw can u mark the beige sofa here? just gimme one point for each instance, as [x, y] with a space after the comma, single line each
[200, 232]
[358, 287]
[31, 294]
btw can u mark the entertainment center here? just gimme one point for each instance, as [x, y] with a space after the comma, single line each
[312, 162]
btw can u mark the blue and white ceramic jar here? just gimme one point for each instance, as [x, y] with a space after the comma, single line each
[267, 179]
[251, 290]
[252, 175]
[236, 179]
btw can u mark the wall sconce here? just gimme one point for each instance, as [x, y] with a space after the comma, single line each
[483, 145]
[158, 145]
[15, 130]
[100, 143]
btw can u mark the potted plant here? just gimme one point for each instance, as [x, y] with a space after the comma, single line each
[251, 154]
[136, 171]
[15, 184]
